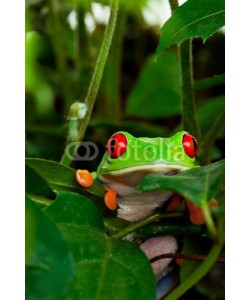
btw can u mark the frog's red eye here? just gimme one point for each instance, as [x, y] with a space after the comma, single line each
[190, 145]
[117, 145]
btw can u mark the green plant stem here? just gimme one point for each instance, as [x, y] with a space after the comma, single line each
[195, 257]
[209, 221]
[97, 75]
[96, 78]
[59, 47]
[188, 103]
[134, 226]
[139, 224]
[198, 274]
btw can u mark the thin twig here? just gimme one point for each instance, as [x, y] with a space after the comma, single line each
[95, 80]
[185, 256]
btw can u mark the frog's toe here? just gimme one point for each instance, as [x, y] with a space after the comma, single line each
[196, 214]
[84, 178]
[174, 203]
[110, 198]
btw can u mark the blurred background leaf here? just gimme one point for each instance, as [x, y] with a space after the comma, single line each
[137, 94]
[157, 92]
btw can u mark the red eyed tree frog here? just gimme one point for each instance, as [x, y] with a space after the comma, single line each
[126, 162]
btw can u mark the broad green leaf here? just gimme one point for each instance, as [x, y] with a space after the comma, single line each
[108, 268]
[76, 209]
[197, 185]
[194, 18]
[157, 92]
[61, 178]
[49, 265]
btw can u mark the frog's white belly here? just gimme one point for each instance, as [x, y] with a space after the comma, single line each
[134, 205]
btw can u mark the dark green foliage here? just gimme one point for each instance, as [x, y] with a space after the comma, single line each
[147, 99]
[198, 185]
[73, 242]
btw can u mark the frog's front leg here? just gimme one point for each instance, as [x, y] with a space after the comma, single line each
[86, 179]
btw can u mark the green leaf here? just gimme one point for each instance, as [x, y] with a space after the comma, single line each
[208, 112]
[76, 209]
[193, 18]
[209, 82]
[61, 178]
[35, 184]
[108, 268]
[49, 265]
[197, 184]
[157, 92]
[41, 201]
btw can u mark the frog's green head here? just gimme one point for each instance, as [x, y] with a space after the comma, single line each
[130, 159]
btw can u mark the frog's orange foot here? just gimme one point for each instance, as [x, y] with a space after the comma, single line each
[84, 178]
[174, 203]
[110, 198]
[196, 214]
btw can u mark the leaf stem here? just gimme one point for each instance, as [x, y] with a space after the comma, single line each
[97, 75]
[188, 103]
[209, 221]
[195, 257]
[139, 224]
[96, 79]
[136, 225]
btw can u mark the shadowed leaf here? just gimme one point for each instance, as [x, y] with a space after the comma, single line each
[197, 185]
